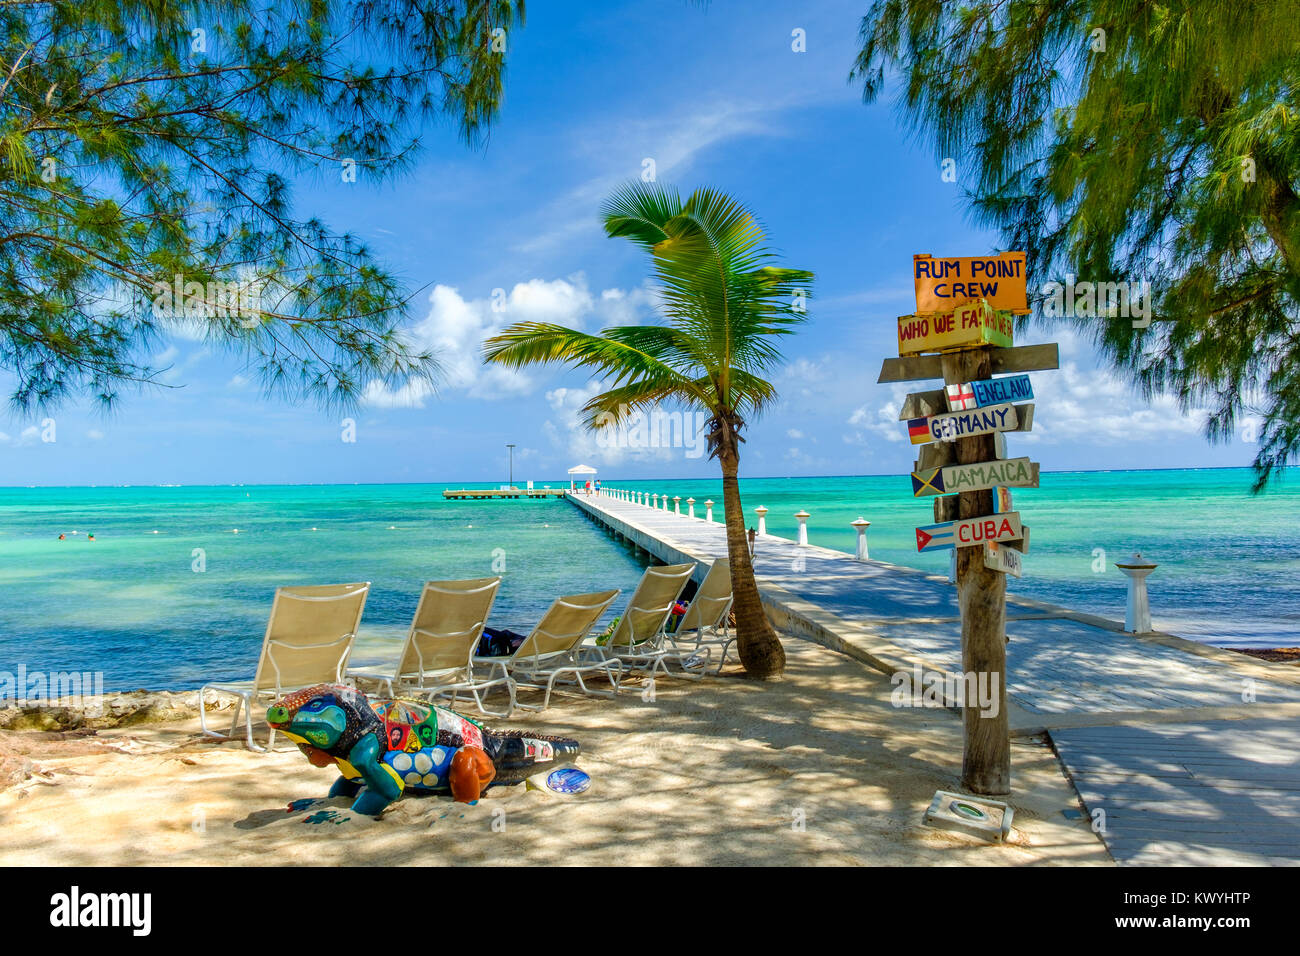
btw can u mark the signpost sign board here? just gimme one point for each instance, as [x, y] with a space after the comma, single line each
[968, 325]
[952, 479]
[954, 425]
[999, 557]
[943, 283]
[968, 532]
[996, 391]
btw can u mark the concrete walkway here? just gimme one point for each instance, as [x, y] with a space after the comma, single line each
[1068, 671]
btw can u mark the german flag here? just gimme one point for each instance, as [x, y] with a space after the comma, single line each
[918, 430]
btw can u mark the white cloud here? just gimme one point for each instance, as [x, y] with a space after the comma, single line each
[794, 434]
[95, 434]
[456, 328]
[673, 142]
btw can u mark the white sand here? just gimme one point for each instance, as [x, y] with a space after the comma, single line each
[711, 773]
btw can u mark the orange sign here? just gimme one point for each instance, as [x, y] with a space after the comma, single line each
[942, 284]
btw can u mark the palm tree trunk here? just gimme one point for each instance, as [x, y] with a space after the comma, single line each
[760, 649]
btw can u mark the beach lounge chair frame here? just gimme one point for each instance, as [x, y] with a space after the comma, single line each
[437, 657]
[705, 623]
[553, 651]
[309, 636]
[640, 639]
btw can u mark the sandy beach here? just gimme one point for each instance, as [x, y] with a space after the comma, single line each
[721, 772]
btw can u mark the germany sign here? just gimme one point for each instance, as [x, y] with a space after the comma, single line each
[954, 425]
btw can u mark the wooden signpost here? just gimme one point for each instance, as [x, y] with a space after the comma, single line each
[962, 463]
[954, 425]
[1000, 557]
[995, 391]
[943, 283]
[951, 479]
[968, 532]
[969, 324]
[1022, 358]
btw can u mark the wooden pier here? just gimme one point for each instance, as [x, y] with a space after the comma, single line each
[1189, 749]
[480, 494]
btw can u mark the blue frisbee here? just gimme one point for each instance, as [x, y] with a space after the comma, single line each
[567, 780]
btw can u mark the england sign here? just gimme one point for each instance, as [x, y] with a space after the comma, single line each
[943, 283]
[968, 325]
[952, 479]
[996, 391]
[968, 532]
[954, 425]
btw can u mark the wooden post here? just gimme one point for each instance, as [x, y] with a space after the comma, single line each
[982, 598]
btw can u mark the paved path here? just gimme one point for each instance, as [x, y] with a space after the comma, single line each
[1075, 675]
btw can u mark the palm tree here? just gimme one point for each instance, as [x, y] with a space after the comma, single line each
[725, 304]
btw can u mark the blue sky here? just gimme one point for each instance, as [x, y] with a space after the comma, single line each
[714, 97]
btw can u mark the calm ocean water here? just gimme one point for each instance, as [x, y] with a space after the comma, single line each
[130, 603]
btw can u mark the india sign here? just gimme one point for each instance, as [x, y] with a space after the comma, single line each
[952, 479]
[999, 557]
[954, 425]
[968, 532]
[969, 325]
[943, 283]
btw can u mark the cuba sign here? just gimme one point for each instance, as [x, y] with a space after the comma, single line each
[943, 283]
[954, 425]
[969, 325]
[968, 532]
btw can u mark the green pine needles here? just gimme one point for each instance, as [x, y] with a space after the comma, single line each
[148, 150]
[1125, 141]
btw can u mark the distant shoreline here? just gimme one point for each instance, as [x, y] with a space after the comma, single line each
[460, 482]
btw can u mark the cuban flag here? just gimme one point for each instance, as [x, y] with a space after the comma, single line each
[961, 398]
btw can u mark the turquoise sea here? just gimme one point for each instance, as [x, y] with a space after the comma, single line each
[168, 595]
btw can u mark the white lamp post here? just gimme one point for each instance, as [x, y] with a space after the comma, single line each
[861, 526]
[1137, 614]
[802, 517]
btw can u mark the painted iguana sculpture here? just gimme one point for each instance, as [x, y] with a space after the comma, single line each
[382, 746]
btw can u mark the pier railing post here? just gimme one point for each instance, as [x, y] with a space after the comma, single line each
[861, 526]
[1137, 614]
[802, 517]
[690, 507]
[708, 510]
[665, 506]
[762, 519]
[677, 504]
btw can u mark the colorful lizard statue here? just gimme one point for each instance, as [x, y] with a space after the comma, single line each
[382, 746]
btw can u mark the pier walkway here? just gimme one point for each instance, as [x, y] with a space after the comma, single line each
[1155, 730]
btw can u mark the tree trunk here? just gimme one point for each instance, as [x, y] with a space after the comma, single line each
[982, 597]
[760, 649]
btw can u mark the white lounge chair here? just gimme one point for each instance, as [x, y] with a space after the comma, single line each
[437, 656]
[639, 640]
[308, 639]
[705, 622]
[553, 650]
